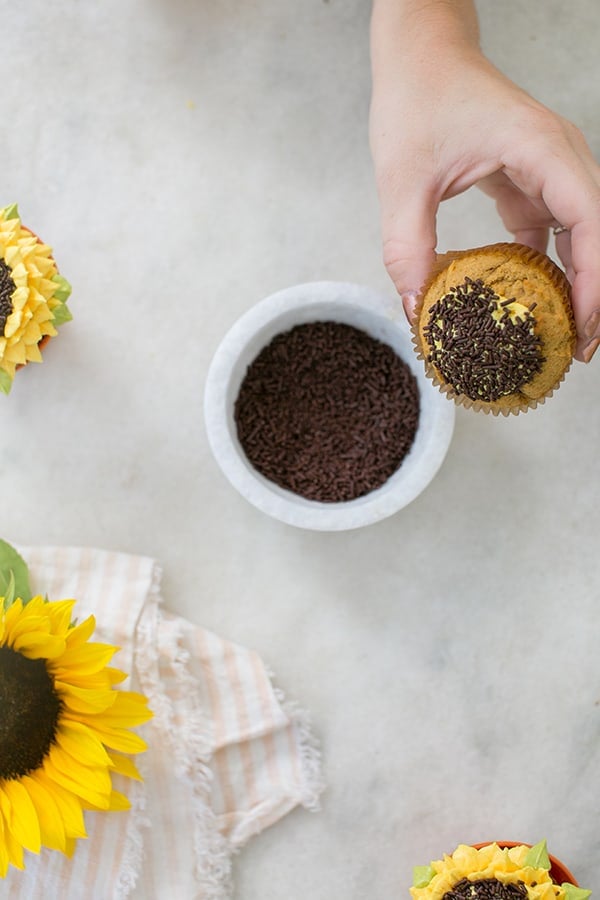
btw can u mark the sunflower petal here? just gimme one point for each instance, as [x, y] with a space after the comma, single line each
[79, 741]
[119, 738]
[4, 859]
[92, 778]
[119, 801]
[23, 822]
[68, 804]
[86, 658]
[97, 799]
[130, 708]
[81, 700]
[98, 681]
[27, 623]
[115, 676]
[70, 847]
[82, 632]
[37, 645]
[52, 828]
[11, 617]
[124, 766]
[60, 613]
[14, 849]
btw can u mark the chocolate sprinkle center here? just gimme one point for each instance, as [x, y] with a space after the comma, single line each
[486, 889]
[479, 355]
[327, 412]
[7, 287]
[29, 713]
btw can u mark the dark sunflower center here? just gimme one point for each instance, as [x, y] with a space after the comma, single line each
[478, 346]
[486, 889]
[29, 713]
[7, 286]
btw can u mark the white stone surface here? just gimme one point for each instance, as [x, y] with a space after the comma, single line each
[185, 159]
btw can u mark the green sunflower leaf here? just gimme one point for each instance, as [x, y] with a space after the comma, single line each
[422, 875]
[61, 314]
[14, 575]
[537, 856]
[5, 381]
[574, 893]
[9, 593]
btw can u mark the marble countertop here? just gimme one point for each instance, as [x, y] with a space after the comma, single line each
[185, 159]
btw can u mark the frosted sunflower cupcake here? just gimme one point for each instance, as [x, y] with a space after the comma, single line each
[33, 296]
[494, 871]
[495, 327]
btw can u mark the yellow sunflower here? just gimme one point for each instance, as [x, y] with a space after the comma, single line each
[32, 295]
[64, 729]
[524, 868]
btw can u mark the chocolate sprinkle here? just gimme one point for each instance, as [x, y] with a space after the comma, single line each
[486, 889]
[480, 356]
[29, 713]
[7, 287]
[327, 412]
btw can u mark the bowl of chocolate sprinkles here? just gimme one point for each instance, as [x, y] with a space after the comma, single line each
[318, 412]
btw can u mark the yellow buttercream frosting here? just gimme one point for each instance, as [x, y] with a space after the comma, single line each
[39, 293]
[504, 864]
[514, 309]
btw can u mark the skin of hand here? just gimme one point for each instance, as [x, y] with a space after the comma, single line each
[443, 119]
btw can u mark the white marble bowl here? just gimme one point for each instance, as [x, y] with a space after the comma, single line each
[354, 305]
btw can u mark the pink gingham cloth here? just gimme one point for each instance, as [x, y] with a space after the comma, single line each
[227, 755]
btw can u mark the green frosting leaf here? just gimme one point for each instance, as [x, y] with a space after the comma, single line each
[5, 381]
[574, 893]
[11, 212]
[422, 875]
[61, 314]
[537, 856]
[14, 575]
[63, 291]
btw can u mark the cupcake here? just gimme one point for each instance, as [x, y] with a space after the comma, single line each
[505, 871]
[32, 296]
[495, 327]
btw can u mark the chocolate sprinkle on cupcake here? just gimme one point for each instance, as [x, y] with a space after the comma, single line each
[486, 889]
[476, 344]
[327, 412]
[7, 287]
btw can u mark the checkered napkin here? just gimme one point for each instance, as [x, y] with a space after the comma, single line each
[227, 755]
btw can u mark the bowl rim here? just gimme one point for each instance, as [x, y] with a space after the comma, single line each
[377, 314]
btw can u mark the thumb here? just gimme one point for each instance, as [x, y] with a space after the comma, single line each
[409, 242]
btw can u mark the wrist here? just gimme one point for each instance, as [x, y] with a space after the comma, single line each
[411, 31]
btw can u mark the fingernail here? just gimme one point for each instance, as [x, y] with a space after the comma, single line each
[409, 299]
[590, 349]
[590, 328]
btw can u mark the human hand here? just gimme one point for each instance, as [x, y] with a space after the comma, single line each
[445, 121]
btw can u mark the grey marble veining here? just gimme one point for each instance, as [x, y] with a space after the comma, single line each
[185, 159]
